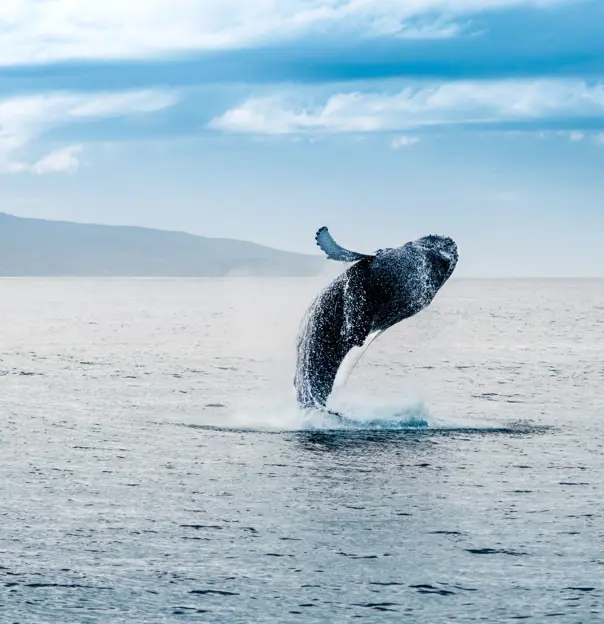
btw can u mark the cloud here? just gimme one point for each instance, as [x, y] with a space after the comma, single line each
[24, 119]
[418, 105]
[573, 136]
[57, 30]
[403, 141]
[61, 160]
[600, 138]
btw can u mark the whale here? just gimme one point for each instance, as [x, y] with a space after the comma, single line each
[375, 292]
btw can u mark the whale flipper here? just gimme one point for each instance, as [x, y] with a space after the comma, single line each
[333, 251]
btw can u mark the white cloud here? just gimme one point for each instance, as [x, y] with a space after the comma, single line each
[403, 141]
[600, 138]
[64, 159]
[574, 135]
[37, 32]
[23, 119]
[417, 106]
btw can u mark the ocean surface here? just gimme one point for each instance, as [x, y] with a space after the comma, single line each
[154, 467]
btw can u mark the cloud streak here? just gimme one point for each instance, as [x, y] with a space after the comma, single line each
[416, 106]
[59, 30]
[403, 141]
[24, 119]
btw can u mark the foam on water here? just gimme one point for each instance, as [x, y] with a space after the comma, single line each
[356, 414]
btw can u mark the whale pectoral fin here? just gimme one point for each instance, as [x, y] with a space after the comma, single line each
[333, 251]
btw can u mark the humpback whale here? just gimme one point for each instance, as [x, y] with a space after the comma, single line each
[377, 291]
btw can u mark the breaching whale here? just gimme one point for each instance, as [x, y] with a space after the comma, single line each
[376, 292]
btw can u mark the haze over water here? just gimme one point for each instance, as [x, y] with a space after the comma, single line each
[155, 468]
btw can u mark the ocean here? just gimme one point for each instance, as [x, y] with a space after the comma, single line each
[154, 467]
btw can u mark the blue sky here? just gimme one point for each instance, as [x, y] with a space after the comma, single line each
[265, 119]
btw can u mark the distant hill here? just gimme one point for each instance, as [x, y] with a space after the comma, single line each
[36, 247]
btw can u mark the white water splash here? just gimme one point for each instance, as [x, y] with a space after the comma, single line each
[352, 413]
[285, 415]
[347, 414]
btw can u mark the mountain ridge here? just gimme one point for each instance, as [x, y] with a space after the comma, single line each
[36, 247]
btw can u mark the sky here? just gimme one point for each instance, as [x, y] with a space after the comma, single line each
[263, 120]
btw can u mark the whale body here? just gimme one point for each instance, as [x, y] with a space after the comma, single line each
[374, 293]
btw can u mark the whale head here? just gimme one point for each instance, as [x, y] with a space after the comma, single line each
[442, 251]
[404, 280]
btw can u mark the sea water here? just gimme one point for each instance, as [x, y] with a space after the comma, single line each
[154, 466]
